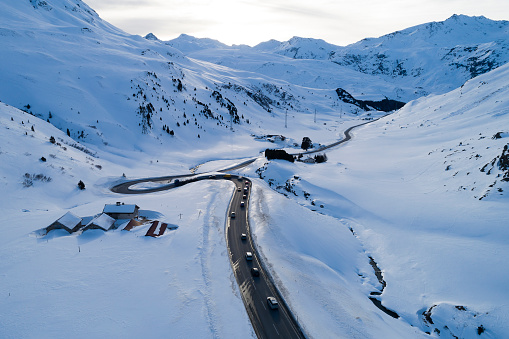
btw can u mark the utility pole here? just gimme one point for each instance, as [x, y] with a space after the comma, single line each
[231, 121]
[286, 118]
[315, 116]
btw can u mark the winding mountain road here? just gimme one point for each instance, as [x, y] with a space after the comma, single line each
[266, 322]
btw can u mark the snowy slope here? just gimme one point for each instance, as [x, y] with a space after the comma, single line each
[425, 191]
[97, 283]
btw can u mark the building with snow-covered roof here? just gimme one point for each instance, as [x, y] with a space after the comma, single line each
[69, 222]
[102, 222]
[121, 210]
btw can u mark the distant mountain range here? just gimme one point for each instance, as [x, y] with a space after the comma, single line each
[431, 58]
[63, 63]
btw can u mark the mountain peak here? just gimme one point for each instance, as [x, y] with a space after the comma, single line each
[151, 36]
[188, 43]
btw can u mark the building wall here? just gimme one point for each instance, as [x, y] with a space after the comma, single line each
[122, 215]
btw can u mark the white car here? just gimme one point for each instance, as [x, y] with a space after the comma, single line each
[242, 204]
[249, 256]
[233, 215]
[272, 302]
[243, 236]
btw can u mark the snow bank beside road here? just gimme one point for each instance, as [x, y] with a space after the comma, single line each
[321, 269]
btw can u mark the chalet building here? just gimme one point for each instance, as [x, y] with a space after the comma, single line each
[101, 222]
[68, 222]
[121, 211]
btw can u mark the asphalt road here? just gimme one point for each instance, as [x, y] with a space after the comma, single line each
[266, 322]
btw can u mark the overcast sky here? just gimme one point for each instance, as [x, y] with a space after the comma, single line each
[253, 21]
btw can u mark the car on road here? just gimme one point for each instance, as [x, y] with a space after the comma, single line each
[239, 189]
[255, 272]
[227, 176]
[243, 236]
[272, 302]
[247, 183]
[242, 204]
[233, 215]
[249, 256]
[244, 196]
[245, 189]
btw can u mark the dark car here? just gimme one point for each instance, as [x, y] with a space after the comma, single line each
[255, 272]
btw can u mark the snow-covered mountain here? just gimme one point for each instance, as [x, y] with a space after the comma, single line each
[411, 213]
[187, 43]
[436, 57]
[62, 62]
[430, 58]
[61, 59]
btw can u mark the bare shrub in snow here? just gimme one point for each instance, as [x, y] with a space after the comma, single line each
[28, 179]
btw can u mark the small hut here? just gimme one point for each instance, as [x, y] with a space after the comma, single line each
[102, 222]
[121, 210]
[68, 222]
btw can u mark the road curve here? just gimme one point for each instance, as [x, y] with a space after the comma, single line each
[347, 137]
[267, 323]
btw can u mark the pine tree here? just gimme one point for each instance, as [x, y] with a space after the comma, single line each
[306, 143]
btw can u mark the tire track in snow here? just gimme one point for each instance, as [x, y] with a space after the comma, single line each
[209, 220]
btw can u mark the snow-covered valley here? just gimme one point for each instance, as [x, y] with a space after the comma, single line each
[422, 192]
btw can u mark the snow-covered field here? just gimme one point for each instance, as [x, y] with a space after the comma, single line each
[420, 193]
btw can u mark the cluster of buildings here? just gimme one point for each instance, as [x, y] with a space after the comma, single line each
[112, 217]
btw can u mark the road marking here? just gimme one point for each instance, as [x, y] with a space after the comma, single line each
[275, 328]
[263, 304]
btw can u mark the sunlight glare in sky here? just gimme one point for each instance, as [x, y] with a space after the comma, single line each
[253, 21]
